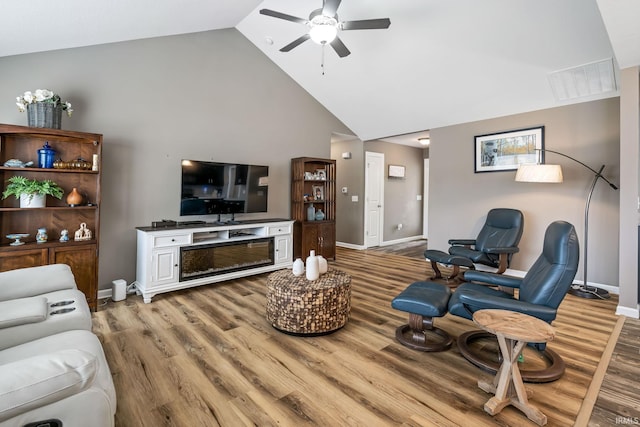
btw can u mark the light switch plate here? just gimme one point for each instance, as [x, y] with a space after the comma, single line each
[354, 198]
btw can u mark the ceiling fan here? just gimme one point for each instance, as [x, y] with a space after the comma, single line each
[324, 26]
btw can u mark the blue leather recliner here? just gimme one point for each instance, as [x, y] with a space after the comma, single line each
[540, 292]
[494, 246]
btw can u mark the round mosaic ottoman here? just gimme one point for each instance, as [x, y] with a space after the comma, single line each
[298, 306]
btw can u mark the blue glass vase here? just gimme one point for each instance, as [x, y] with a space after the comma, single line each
[46, 156]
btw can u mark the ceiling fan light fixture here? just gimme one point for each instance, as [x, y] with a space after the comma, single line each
[324, 29]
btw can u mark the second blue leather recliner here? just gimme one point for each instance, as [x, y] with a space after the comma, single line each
[494, 246]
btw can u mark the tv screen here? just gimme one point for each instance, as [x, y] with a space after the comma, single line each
[212, 188]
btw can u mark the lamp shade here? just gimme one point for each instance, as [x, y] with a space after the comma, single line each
[539, 173]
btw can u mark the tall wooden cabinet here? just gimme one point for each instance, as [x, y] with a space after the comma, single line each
[313, 184]
[23, 143]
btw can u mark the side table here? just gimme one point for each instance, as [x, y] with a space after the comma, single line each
[298, 306]
[513, 330]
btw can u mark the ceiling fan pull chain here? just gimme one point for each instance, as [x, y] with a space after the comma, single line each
[322, 61]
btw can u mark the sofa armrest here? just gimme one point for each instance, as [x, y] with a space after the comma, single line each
[22, 311]
[33, 281]
[44, 379]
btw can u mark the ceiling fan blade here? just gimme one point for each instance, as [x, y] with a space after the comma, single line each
[295, 43]
[367, 24]
[330, 7]
[275, 14]
[340, 48]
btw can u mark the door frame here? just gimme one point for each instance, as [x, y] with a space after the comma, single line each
[367, 187]
[425, 201]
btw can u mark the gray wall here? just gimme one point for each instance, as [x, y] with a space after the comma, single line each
[459, 198]
[629, 190]
[209, 95]
[400, 202]
[350, 174]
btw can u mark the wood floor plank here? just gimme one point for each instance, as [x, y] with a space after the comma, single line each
[208, 356]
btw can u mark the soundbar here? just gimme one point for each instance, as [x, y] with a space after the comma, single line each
[163, 223]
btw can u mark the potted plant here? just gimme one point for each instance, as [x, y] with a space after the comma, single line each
[44, 108]
[31, 192]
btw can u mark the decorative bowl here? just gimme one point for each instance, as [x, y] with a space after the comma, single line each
[17, 236]
[15, 163]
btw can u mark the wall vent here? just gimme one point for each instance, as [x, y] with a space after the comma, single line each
[584, 80]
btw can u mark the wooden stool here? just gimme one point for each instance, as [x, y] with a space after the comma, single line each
[514, 331]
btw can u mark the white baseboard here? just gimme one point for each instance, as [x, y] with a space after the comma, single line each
[350, 246]
[403, 240]
[628, 311]
[387, 243]
[104, 293]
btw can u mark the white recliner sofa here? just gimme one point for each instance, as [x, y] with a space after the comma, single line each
[53, 371]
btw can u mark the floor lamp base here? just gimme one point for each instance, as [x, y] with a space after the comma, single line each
[591, 292]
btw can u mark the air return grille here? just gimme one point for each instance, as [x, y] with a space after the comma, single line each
[585, 80]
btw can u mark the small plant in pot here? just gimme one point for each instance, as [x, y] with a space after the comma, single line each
[31, 192]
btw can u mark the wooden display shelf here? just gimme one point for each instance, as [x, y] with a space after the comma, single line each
[23, 143]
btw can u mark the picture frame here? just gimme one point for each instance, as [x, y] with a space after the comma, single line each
[321, 174]
[396, 171]
[317, 194]
[505, 151]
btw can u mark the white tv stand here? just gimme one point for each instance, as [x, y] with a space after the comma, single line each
[182, 256]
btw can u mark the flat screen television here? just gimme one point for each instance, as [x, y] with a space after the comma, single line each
[213, 188]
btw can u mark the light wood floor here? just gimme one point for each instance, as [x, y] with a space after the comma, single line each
[207, 357]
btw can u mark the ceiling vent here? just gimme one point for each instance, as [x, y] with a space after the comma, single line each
[585, 80]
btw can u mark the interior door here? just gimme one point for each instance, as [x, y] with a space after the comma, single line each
[374, 199]
[425, 201]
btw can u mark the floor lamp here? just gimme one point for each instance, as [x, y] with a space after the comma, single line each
[553, 173]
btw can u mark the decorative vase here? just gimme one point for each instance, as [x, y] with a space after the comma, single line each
[323, 266]
[44, 115]
[298, 267]
[313, 270]
[32, 200]
[311, 213]
[41, 236]
[74, 198]
[319, 215]
[46, 156]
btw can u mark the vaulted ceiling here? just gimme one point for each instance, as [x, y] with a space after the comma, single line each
[439, 63]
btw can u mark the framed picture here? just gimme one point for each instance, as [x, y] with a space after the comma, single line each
[396, 171]
[505, 151]
[321, 174]
[318, 192]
